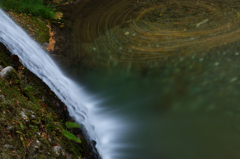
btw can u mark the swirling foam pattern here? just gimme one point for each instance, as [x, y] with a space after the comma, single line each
[142, 33]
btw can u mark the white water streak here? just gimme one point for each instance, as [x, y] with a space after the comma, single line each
[81, 106]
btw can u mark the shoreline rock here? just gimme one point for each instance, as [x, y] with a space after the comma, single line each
[7, 72]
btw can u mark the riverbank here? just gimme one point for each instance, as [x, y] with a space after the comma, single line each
[50, 111]
[38, 26]
[32, 118]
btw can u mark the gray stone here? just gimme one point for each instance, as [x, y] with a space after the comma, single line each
[45, 44]
[7, 72]
[2, 98]
[37, 144]
[56, 150]
[8, 146]
[24, 116]
[9, 128]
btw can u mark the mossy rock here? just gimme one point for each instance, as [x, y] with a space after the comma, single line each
[9, 73]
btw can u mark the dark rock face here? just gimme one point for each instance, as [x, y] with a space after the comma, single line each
[15, 58]
[15, 61]
[65, 51]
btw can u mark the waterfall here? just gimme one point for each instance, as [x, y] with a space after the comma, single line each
[82, 107]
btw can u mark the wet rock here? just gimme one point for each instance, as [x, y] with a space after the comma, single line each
[2, 98]
[30, 111]
[1, 68]
[8, 72]
[45, 44]
[93, 142]
[15, 58]
[15, 61]
[32, 114]
[37, 144]
[9, 128]
[8, 146]
[56, 150]
[24, 116]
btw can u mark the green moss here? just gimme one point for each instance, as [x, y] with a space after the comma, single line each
[37, 28]
[40, 29]
[34, 7]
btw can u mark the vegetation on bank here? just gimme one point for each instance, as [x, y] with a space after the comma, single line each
[36, 28]
[33, 124]
[45, 9]
[33, 18]
[31, 121]
[33, 7]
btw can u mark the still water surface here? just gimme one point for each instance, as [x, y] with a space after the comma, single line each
[168, 71]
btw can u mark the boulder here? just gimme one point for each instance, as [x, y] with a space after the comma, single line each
[8, 72]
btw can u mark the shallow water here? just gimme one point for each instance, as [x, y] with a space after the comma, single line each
[166, 71]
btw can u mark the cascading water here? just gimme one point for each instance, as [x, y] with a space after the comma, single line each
[81, 106]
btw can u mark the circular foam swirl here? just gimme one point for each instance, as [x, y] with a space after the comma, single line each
[142, 33]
